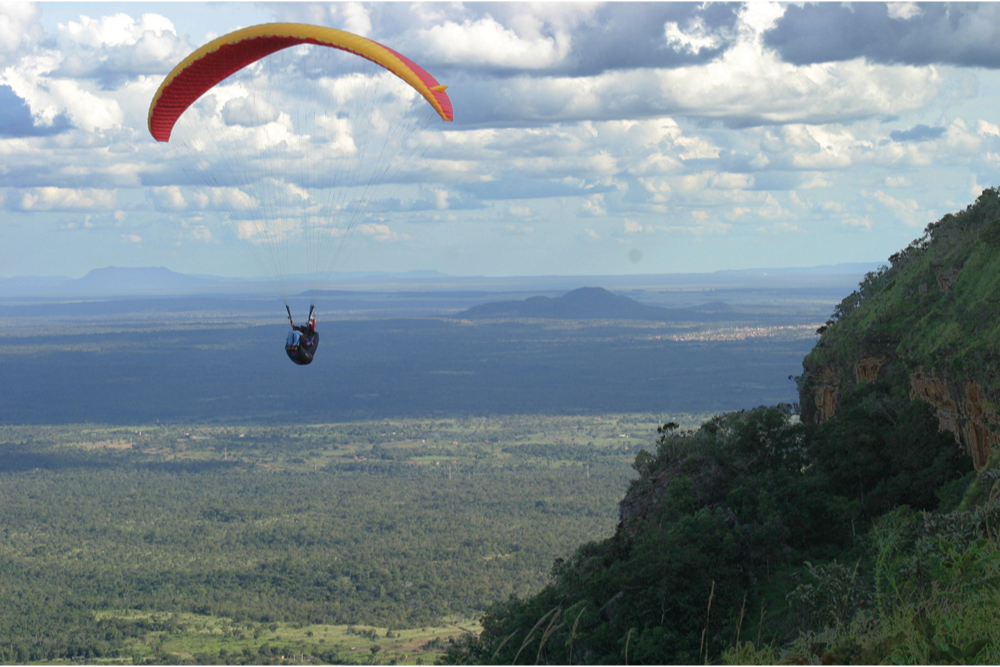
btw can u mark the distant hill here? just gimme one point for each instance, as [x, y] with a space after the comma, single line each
[585, 303]
[594, 303]
[119, 280]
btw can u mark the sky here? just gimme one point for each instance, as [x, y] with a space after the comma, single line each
[587, 139]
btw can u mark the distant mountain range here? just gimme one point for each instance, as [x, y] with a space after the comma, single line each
[155, 281]
[594, 303]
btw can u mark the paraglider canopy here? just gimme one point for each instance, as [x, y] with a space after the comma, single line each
[215, 61]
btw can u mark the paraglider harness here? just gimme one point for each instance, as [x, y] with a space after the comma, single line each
[302, 341]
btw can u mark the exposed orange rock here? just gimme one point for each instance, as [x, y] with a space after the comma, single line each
[968, 416]
[980, 437]
[979, 441]
[933, 390]
[868, 368]
[826, 395]
[965, 411]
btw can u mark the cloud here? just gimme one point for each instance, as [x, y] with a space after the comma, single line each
[195, 230]
[631, 227]
[745, 85]
[167, 198]
[381, 233]
[16, 119]
[593, 207]
[248, 113]
[904, 10]
[730, 181]
[625, 36]
[862, 222]
[92, 221]
[694, 39]
[958, 34]
[441, 199]
[778, 228]
[236, 201]
[813, 147]
[357, 18]
[907, 210]
[917, 133]
[987, 129]
[487, 42]
[524, 188]
[269, 233]
[18, 27]
[454, 201]
[50, 97]
[113, 49]
[572, 41]
[559, 38]
[65, 199]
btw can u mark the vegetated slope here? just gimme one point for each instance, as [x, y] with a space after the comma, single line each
[928, 321]
[862, 533]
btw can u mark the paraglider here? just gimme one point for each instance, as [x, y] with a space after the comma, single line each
[302, 340]
[293, 129]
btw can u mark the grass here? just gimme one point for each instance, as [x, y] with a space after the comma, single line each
[193, 637]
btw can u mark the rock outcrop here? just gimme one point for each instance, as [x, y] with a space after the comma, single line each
[965, 413]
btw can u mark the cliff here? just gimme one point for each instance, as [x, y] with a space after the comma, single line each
[929, 320]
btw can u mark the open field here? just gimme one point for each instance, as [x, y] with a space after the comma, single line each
[192, 638]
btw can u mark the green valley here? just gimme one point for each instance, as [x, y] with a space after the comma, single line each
[188, 543]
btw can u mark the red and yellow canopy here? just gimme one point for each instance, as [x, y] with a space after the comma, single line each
[213, 62]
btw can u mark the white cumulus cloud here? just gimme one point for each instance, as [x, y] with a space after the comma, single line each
[486, 42]
[381, 233]
[66, 199]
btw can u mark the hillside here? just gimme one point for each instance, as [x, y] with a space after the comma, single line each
[862, 531]
[928, 321]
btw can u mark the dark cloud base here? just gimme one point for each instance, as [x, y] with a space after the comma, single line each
[966, 35]
[16, 120]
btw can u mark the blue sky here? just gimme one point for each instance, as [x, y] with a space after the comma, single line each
[588, 138]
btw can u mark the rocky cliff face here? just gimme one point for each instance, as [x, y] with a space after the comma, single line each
[929, 321]
[963, 409]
